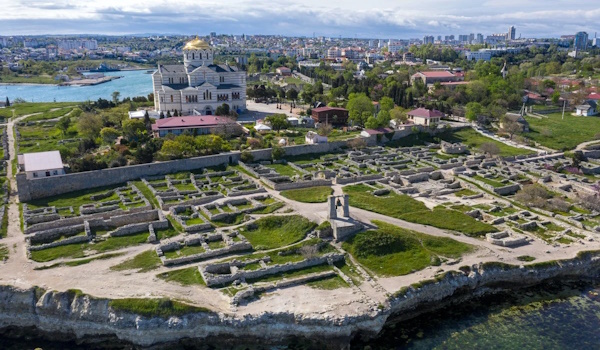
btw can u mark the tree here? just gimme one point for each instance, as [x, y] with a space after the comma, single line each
[176, 114]
[162, 115]
[133, 129]
[398, 114]
[246, 157]
[109, 135]
[89, 125]
[147, 122]
[386, 104]
[168, 114]
[489, 148]
[222, 110]
[511, 127]
[277, 153]
[292, 94]
[63, 124]
[360, 108]
[556, 97]
[324, 129]
[115, 97]
[474, 109]
[277, 121]
[7, 102]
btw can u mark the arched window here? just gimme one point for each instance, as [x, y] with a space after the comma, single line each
[193, 56]
[171, 98]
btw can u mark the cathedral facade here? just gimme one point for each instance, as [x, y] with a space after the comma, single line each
[198, 86]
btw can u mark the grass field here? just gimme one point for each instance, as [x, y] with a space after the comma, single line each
[409, 209]
[317, 194]
[277, 231]
[74, 199]
[563, 134]
[49, 115]
[142, 262]
[393, 251]
[187, 277]
[468, 136]
[31, 107]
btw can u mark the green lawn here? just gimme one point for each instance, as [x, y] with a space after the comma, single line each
[474, 140]
[33, 107]
[65, 251]
[277, 231]
[491, 181]
[317, 194]
[188, 276]
[559, 134]
[142, 262]
[49, 115]
[409, 209]
[465, 192]
[394, 251]
[468, 136]
[74, 199]
[185, 251]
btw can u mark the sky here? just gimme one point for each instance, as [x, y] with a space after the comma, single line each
[346, 18]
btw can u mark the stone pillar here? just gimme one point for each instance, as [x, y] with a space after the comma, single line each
[346, 206]
[332, 210]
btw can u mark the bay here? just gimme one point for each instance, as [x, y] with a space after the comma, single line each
[131, 84]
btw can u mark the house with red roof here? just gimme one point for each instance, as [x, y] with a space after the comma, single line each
[423, 116]
[594, 96]
[196, 125]
[432, 77]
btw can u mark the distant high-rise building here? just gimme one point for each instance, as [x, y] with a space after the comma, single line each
[595, 41]
[479, 38]
[428, 39]
[213, 34]
[463, 38]
[512, 33]
[471, 38]
[581, 41]
[439, 38]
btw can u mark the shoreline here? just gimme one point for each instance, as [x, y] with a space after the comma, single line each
[85, 317]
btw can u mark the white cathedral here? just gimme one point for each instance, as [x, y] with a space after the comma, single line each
[198, 86]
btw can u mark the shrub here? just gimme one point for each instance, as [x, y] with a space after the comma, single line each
[378, 243]
[246, 157]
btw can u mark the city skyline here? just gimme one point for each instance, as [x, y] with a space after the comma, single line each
[379, 19]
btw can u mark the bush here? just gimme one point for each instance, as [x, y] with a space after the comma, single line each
[378, 243]
[246, 157]
[277, 153]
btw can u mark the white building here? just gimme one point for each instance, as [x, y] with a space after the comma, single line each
[141, 114]
[588, 109]
[198, 86]
[41, 164]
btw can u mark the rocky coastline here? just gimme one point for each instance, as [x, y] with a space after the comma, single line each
[83, 318]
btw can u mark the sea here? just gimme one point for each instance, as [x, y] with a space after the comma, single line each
[131, 83]
[551, 316]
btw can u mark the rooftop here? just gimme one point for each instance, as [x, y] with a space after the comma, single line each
[437, 74]
[191, 122]
[325, 109]
[426, 113]
[42, 161]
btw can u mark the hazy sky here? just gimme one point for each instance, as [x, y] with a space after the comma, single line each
[349, 18]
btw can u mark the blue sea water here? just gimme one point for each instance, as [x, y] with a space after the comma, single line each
[131, 84]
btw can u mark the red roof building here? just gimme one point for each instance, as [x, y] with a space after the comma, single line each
[423, 116]
[594, 96]
[330, 115]
[432, 77]
[196, 125]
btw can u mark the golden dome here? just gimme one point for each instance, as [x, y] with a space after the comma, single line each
[196, 44]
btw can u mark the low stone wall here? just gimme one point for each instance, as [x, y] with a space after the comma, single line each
[80, 219]
[54, 233]
[218, 279]
[233, 248]
[66, 241]
[353, 179]
[507, 190]
[295, 185]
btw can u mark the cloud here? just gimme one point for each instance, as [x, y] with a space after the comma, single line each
[378, 18]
